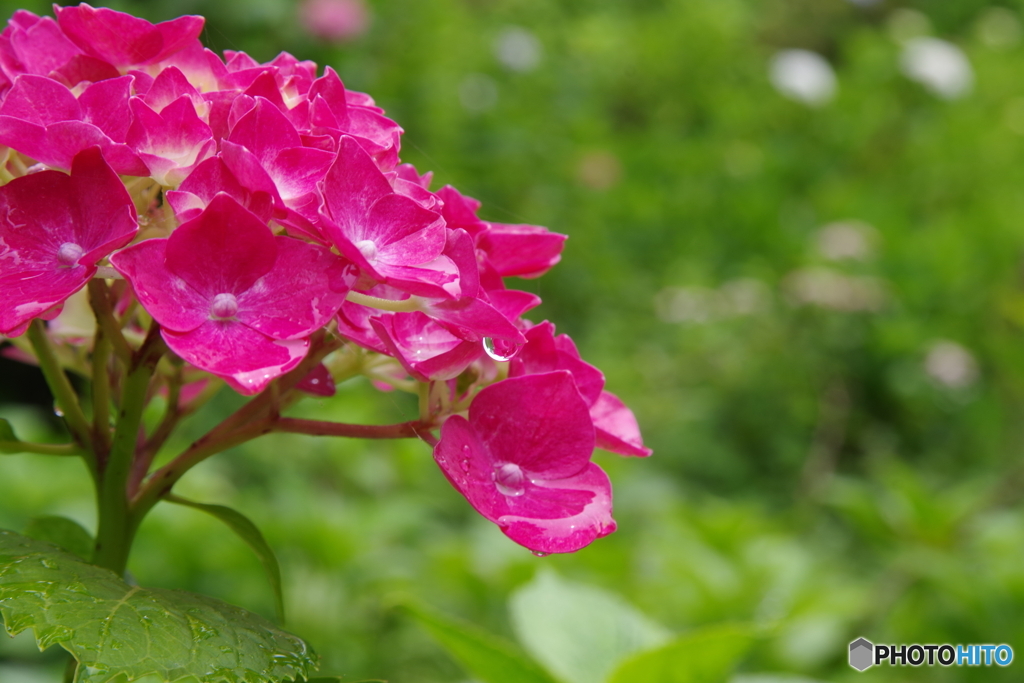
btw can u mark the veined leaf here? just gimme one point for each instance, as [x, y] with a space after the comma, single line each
[66, 534]
[249, 533]
[580, 633]
[119, 631]
[706, 655]
[482, 654]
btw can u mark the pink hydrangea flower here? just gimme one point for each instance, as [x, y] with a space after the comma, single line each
[232, 298]
[54, 228]
[334, 20]
[125, 41]
[616, 427]
[522, 459]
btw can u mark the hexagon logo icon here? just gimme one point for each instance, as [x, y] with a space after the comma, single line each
[861, 654]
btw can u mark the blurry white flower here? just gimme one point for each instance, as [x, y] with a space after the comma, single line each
[998, 28]
[803, 76]
[845, 240]
[951, 365]
[686, 304]
[740, 297]
[478, 93]
[836, 291]
[744, 296]
[517, 49]
[937, 65]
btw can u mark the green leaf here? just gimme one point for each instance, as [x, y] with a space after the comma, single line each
[66, 534]
[482, 654]
[248, 532]
[578, 632]
[114, 629]
[707, 655]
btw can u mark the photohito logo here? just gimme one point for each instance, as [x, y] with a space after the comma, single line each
[865, 654]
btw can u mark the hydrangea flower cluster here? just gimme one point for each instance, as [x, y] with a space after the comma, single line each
[246, 212]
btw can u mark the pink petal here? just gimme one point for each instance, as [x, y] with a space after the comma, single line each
[616, 427]
[538, 422]
[245, 358]
[41, 101]
[27, 296]
[124, 40]
[297, 296]
[427, 350]
[574, 530]
[521, 250]
[226, 249]
[174, 303]
[318, 382]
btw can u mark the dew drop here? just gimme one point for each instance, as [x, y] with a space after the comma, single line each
[57, 411]
[539, 554]
[69, 253]
[465, 465]
[509, 478]
[501, 349]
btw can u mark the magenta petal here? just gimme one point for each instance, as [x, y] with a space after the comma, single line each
[247, 359]
[542, 354]
[521, 250]
[105, 105]
[467, 465]
[297, 296]
[318, 382]
[167, 297]
[224, 250]
[616, 427]
[124, 40]
[473, 319]
[28, 296]
[40, 100]
[574, 529]
[538, 422]
[405, 233]
[427, 350]
[352, 185]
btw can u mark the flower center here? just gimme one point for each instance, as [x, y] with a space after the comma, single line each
[368, 249]
[69, 253]
[224, 307]
[509, 479]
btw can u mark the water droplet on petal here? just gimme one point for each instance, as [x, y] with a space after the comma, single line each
[69, 253]
[465, 465]
[539, 554]
[509, 478]
[501, 349]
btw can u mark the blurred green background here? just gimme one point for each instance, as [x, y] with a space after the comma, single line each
[806, 277]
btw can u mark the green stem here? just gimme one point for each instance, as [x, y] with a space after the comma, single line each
[71, 669]
[117, 522]
[60, 385]
[246, 423]
[116, 528]
[101, 392]
[99, 299]
[9, 447]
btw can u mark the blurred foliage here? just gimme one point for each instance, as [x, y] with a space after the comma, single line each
[837, 439]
